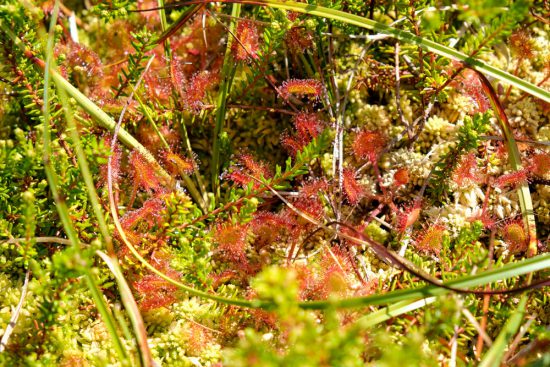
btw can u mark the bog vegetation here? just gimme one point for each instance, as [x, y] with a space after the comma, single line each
[274, 183]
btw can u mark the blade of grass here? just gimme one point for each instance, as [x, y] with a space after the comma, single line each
[61, 205]
[392, 311]
[132, 308]
[514, 157]
[227, 74]
[493, 357]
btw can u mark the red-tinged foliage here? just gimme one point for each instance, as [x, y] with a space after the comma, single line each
[301, 87]
[309, 206]
[407, 216]
[152, 17]
[268, 227]
[539, 165]
[232, 244]
[512, 179]
[149, 214]
[311, 288]
[299, 39]
[468, 82]
[430, 239]
[368, 144]
[115, 163]
[401, 177]
[197, 337]
[144, 174]
[195, 91]
[466, 172]
[245, 47]
[515, 236]
[334, 267]
[312, 188]
[262, 318]
[522, 44]
[151, 140]
[329, 277]
[292, 144]
[248, 166]
[154, 291]
[178, 165]
[84, 67]
[352, 189]
[308, 126]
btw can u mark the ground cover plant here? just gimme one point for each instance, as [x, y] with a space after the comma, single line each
[274, 183]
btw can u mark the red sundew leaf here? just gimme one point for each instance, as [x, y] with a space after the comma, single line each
[256, 168]
[245, 47]
[430, 240]
[232, 243]
[515, 236]
[512, 179]
[407, 216]
[352, 189]
[471, 85]
[539, 165]
[301, 87]
[268, 227]
[466, 170]
[401, 177]
[178, 165]
[310, 206]
[155, 292]
[299, 39]
[368, 144]
[195, 90]
[307, 125]
[522, 44]
[292, 144]
[312, 188]
[150, 212]
[248, 166]
[144, 174]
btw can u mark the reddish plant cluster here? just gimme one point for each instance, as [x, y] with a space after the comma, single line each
[299, 39]
[466, 172]
[301, 87]
[195, 91]
[368, 145]
[401, 176]
[308, 126]
[178, 165]
[512, 179]
[470, 84]
[514, 234]
[407, 216]
[248, 168]
[154, 291]
[245, 46]
[352, 189]
[539, 165]
[430, 239]
[232, 242]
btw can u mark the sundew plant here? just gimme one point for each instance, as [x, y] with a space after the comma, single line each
[274, 183]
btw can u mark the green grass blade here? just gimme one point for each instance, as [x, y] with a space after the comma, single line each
[61, 205]
[391, 311]
[493, 357]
